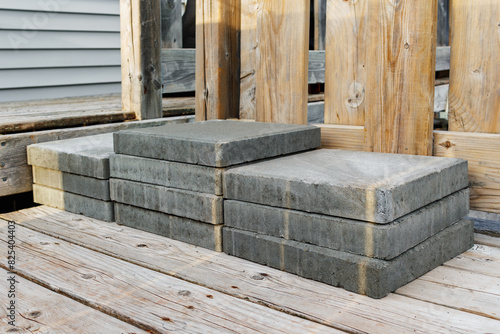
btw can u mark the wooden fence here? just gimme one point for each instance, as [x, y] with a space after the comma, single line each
[252, 62]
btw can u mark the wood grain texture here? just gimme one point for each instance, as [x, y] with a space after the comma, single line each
[380, 71]
[178, 70]
[282, 61]
[443, 25]
[217, 59]
[482, 152]
[43, 311]
[276, 289]
[141, 57]
[475, 66]
[345, 137]
[171, 23]
[145, 298]
[319, 24]
[483, 258]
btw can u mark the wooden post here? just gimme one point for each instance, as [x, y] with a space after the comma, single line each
[380, 68]
[443, 24]
[474, 100]
[282, 61]
[141, 57]
[319, 24]
[217, 59]
[171, 24]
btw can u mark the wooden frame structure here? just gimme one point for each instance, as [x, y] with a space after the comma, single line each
[379, 76]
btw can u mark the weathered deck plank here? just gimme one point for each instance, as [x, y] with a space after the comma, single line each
[37, 313]
[273, 288]
[145, 298]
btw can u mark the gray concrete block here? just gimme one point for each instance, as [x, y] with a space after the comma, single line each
[167, 173]
[182, 229]
[88, 156]
[365, 186]
[73, 183]
[217, 143]
[382, 241]
[183, 203]
[373, 277]
[90, 207]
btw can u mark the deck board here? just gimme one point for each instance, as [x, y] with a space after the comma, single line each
[147, 299]
[37, 314]
[294, 295]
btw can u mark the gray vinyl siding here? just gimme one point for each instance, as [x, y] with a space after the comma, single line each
[59, 48]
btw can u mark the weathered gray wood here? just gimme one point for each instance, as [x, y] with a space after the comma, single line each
[178, 70]
[443, 28]
[442, 58]
[15, 173]
[44, 311]
[141, 57]
[319, 24]
[171, 23]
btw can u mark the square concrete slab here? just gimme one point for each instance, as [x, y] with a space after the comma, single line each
[372, 277]
[217, 143]
[73, 183]
[206, 208]
[366, 186]
[183, 229]
[88, 156]
[90, 207]
[167, 173]
[382, 241]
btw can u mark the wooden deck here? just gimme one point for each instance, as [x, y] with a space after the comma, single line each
[81, 275]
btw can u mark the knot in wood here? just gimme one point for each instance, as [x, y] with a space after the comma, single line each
[356, 96]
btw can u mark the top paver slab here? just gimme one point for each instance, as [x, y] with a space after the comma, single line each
[365, 186]
[88, 156]
[217, 143]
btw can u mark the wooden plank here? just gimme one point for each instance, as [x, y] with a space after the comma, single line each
[481, 150]
[441, 97]
[443, 58]
[147, 299]
[40, 310]
[141, 57]
[443, 24]
[319, 24]
[32, 20]
[171, 23]
[460, 289]
[474, 79]
[282, 60]
[176, 106]
[481, 259]
[217, 59]
[13, 39]
[87, 6]
[178, 70]
[345, 137]
[276, 289]
[487, 240]
[249, 44]
[15, 174]
[386, 87]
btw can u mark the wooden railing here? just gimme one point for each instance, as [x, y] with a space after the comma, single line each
[380, 60]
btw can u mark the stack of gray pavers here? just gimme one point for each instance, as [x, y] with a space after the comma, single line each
[73, 175]
[168, 180]
[367, 222]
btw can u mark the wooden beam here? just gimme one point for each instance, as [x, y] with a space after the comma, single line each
[443, 24]
[319, 24]
[171, 24]
[141, 57]
[345, 137]
[217, 59]
[380, 71]
[282, 60]
[475, 66]
[178, 70]
[481, 150]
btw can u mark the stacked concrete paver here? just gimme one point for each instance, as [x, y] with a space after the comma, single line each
[73, 175]
[168, 180]
[366, 222]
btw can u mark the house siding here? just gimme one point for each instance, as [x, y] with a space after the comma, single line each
[59, 48]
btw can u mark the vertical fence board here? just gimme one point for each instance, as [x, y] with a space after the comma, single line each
[217, 59]
[282, 61]
[141, 57]
[474, 100]
[319, 24]
[171, 24]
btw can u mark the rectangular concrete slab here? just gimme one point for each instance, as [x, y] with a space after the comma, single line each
[372, 277]
[90, 207]
[73, 183]
[217, 143]
[382, 241]
[183, 203]
[183, 229]
[88, 156]
[167, 173]
[366, 186]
